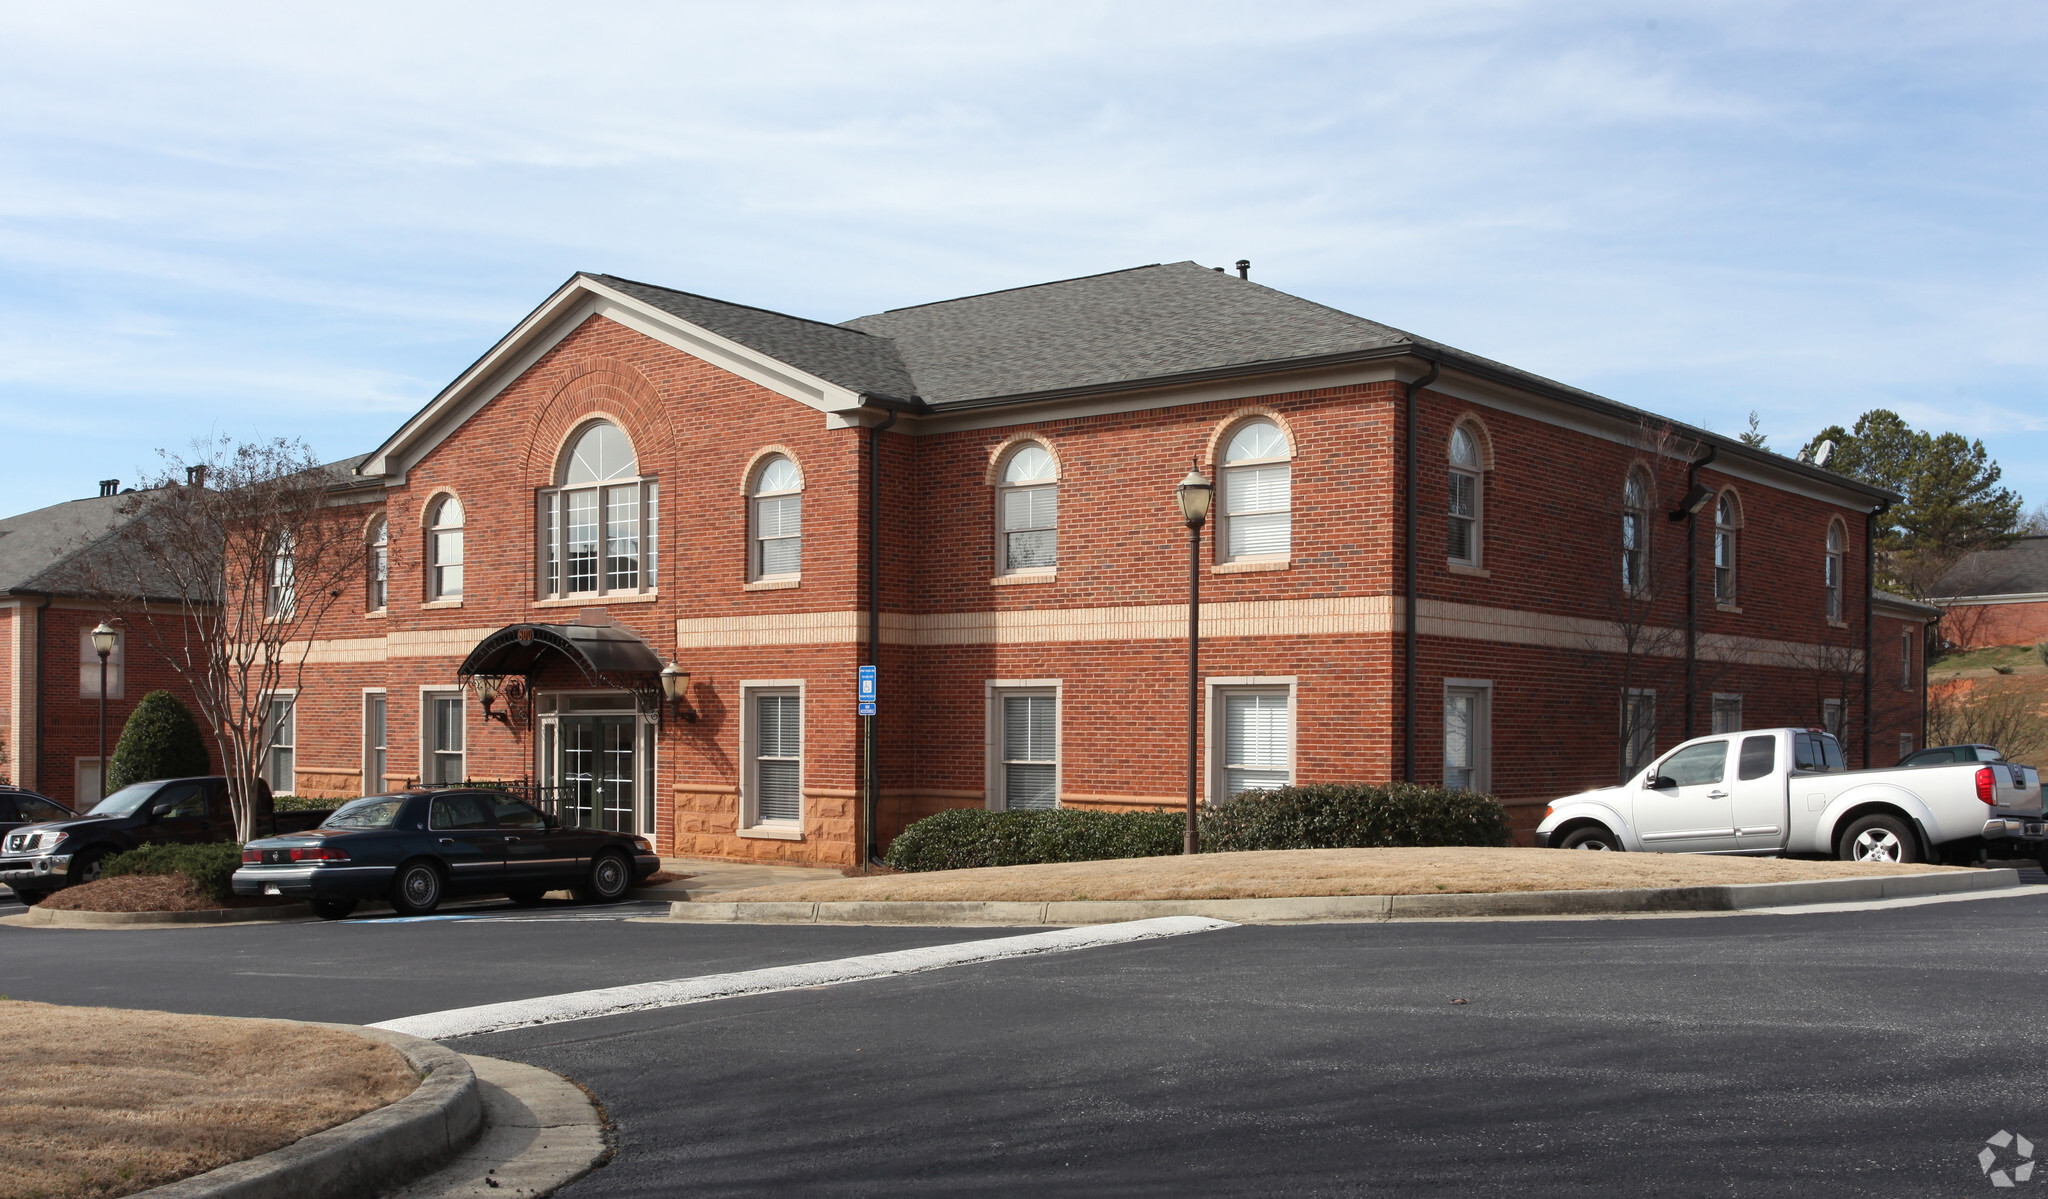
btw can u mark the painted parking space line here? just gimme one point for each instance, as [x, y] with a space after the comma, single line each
[611, 1001]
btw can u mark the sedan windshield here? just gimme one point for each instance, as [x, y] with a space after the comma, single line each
[127, 801]
[365, 813]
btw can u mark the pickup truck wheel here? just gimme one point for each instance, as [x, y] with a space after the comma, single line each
[333, 909]
[1879, 839]
[87, 866]
[417, 892]
[610, 875]
[1590, 836]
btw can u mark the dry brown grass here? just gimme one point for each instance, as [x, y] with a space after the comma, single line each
[104, 1102]
[1290, 872]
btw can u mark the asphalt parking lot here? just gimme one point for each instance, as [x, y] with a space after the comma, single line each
[1856, 1053]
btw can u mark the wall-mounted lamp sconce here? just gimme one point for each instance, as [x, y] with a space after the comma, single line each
[487, 689]
[1695, 500]
[675, 687]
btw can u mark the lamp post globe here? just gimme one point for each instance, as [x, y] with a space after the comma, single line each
[103, 638]
[1195, 494]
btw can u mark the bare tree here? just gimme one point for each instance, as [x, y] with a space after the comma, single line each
[226, 566]
[1960, 714]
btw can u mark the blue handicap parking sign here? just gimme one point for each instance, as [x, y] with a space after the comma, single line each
[866, 691]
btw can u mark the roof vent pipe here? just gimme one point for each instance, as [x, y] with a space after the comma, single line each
[109, 487]
[195, 476]
[1244, 268]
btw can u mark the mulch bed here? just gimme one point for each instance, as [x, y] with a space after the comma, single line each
[150, 893]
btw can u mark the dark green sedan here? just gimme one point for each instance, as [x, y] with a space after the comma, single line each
[416, 849]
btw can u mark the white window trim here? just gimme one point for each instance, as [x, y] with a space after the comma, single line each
[1212, 725]
[1906, 659]
[269, 697]
[749, 823]
[1714, 706]
[1002, 491]
[1478, 476]
[425, 712]
[1840, 725]
[1482, 731]
[374, 785]
[435, 506]
[1221, 514]
[993, 691]
[550, 500]
[82, 799]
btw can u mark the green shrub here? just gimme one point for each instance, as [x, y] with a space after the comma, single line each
[160, 741]
[2040, 651]
[212, 867]
[1355, 816]
[961, 838]
[303, 803]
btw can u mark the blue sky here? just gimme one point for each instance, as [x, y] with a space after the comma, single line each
[255, 221]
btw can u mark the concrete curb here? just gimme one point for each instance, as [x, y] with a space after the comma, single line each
[1733, 897]
[373, 1152]
[541, 1132]
[41, 917]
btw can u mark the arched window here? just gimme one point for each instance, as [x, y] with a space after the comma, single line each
[377, 563]
[444, 549]
[599, 525]
[1635, 533]
[778, 520]
[1834, 570]
[1462, 539]
[1028, 501]
[1257, 493]
[1727, 518]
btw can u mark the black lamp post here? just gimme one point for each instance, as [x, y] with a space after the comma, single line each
[1195, 493]
[103, 645]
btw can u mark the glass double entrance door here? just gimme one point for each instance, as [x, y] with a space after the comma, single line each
[595, 767]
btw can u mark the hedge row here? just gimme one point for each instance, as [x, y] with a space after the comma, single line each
[1324, 816]
[212, 866]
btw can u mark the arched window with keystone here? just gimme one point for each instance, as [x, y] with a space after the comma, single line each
[776, 551]
[1464, 509]
[1028, 510]
[599, 524]
[1257, 479]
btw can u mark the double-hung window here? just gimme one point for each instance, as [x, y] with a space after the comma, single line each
[1635, 534]
[1256, 740]
[377, 565]
[280, 598]
[444, 549]
[1258, 494]
[598, 526]
[373, 742]
[280, 740]
[445, 763]
[1832, 576]
[1025, 740]
[774, 781]
[1638, 729]
[1029, 503]
[1727, 713]
[1468, 734]
[776, 517]
[1727, 516]
[1462, 536]
[89, 667]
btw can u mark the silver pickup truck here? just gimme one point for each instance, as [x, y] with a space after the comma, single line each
[1786, 791]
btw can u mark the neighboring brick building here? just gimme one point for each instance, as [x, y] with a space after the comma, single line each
[635, 475]
[1997, 597]
[49, 674]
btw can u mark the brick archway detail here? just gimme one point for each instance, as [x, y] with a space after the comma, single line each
[609, 389]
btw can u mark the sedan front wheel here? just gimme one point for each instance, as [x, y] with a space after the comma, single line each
[610, 876]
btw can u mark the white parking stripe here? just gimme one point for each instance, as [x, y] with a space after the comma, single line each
[609, 1001]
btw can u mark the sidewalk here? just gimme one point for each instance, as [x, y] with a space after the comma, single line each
[710, 876]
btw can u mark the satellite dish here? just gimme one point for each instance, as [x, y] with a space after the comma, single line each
[1821, 455]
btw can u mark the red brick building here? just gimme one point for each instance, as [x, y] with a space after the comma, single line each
[635, 476]
[1997, 597]
[49, 673]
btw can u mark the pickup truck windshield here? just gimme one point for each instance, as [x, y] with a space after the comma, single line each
[365, 813]
[127, 801]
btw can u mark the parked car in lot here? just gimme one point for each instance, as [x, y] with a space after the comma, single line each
[1787, 791]
[417, 848]
[37, 859]
[1942, 755]
[19, 807]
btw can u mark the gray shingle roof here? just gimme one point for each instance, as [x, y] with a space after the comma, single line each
[36, 546]
[2019, 569]
[849, 357]
[1142, 323]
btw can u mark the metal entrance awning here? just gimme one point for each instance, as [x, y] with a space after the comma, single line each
[608, 655]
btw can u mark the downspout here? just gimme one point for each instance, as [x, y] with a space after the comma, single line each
[871, 792]
[1869, 595]
[1408, 591]
[40, 689]
[1692, 594]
